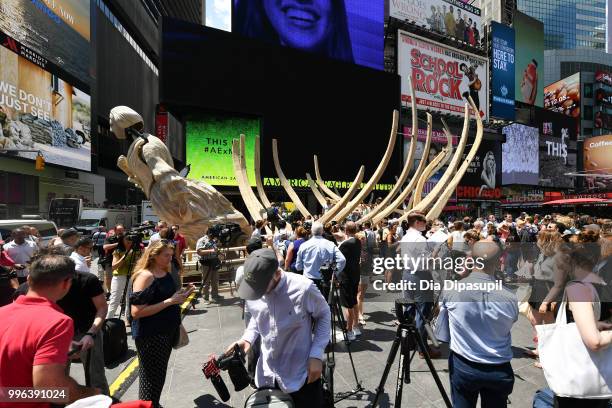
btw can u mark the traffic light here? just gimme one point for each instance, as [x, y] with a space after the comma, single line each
[40, 162]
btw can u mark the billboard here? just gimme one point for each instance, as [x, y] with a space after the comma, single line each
[39, 111]
[209, 147]
[520, 155]
[529, 72]
[502, 81]
[483, 178]
[57, 30]
[598, 160]
[443, 77]
[564, 96]
[454, 18]
[346, 30]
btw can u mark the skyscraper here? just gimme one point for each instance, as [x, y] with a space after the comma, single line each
[570, 24]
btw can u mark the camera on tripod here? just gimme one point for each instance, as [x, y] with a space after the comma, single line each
[404, 314]
[224, 233]
[233, 363]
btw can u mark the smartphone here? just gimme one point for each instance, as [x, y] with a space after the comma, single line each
[74, 351]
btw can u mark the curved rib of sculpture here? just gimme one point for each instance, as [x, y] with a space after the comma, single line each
[377, 174]
[321, 183]
[285, 183]
[428, 201]
[256, 210]
[329, 215]
[402, 196]
[193, 204]
[407, 166]
[436, 210]
[318, 195]
[432, 168]
[258, 180]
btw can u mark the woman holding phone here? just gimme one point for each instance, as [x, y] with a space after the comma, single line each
[154, 306]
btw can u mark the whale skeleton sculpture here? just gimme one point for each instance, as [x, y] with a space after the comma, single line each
[321, 183]
[399, 182]
[254, 207]
[285, 183]
[437, 208]
[318, 195]
[332, 212]
[410, 187]
[452, 167]
[369, 186]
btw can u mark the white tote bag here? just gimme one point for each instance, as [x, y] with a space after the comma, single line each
[570, 368]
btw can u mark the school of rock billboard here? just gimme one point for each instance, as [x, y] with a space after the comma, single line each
[598, 161]
[483, 178]
[454, 18]
[443, 77]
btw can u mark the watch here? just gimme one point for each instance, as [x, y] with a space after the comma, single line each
[93, 335]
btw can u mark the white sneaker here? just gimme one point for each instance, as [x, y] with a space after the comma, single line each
[356, 331]
[351, 336]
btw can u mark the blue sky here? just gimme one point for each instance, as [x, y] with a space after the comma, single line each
[219, 14]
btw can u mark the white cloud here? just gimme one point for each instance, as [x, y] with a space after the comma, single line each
[219, 14]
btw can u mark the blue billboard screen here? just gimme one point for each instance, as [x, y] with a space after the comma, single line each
[346, 30]
[503, 84]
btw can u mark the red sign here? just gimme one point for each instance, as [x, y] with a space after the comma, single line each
[603, 77]
[161, 125]
[436, 136]
[479, 192]
[558, 195]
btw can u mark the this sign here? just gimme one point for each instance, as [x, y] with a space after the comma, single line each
[564, 96]
[443, 77]
[502, 81]
[529, 72]
[209, 147]
[57, 30]
[520, 155]
[483, 178]
[350, 31]
[454, 18]
[598, 161]
[603, 77]
[40, 111]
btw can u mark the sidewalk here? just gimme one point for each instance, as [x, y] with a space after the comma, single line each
[213, 327]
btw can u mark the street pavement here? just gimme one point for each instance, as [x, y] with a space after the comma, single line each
[213, 327]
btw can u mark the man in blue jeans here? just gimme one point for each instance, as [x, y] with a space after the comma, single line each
[480, 322]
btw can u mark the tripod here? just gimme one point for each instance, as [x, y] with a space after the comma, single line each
[333, 300]
[407, 337]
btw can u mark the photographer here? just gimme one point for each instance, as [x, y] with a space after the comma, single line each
[124, 258]
[156, 317]
[317, 253]
[210, 263]
[291, 357]
[110, 244]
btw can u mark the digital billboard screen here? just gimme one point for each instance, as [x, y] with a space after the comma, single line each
[443, 77]
[598, 161]
[209, 147]
[346, 30]
[40, 111]
[454, 18]
[520, 164]
[529, 71]
[482, 179]
[564, 96]
[502, 72]
[58, 30]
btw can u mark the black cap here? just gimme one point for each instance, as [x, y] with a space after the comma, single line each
[253, 245]
[259, 269]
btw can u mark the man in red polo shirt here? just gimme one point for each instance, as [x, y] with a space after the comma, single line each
[35, 334]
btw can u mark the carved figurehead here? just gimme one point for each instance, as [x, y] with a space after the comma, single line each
[194, 205]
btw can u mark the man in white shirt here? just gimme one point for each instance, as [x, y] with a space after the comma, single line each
[82, 255]
[155, 237]
[293, 320]
[20, 250]
[414, 248]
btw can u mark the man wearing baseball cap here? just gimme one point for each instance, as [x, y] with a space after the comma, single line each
[284, 307]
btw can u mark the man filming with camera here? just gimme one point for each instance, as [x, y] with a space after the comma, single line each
[293, 320]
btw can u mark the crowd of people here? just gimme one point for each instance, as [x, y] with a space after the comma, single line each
[290, 266]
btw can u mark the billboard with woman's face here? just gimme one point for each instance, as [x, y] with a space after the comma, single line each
[346, 30]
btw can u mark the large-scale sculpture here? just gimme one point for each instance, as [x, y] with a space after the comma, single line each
[194, 205]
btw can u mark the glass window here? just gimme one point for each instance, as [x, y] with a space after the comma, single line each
[587, 113]
[588, 90]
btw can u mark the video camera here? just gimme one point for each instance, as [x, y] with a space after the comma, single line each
[224, 233]
[233, 363]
